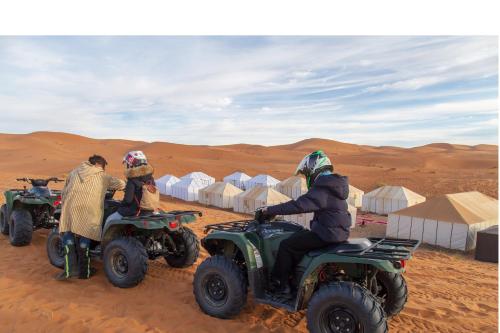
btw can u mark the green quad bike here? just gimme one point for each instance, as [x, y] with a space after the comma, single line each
[127, 244]
[350, 287]
[26, 210]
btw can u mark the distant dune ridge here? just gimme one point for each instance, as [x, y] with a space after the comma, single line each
[430, 170]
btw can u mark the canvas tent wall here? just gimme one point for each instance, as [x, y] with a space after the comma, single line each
[238, 179]
[262, 180]
[292, 187]
[450, 221]
[165, 183]
[202, 177]
[355, 197]
[388, 199]
[187, 189]
[219, 194]
[259, 196]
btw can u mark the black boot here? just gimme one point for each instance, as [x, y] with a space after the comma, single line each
[70, 264]
[86, 271]
[279, 288]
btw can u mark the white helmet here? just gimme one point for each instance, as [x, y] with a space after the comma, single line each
[135, 158]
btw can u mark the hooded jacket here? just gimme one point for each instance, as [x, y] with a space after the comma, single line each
[136, 178]
[327, 199]
[83, 200]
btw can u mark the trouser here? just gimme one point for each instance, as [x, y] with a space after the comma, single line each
[292, 250]
[82, 253]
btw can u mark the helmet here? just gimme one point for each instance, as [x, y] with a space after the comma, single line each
[312, 165]
[134, 159]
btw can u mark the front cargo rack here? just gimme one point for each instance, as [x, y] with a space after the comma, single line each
[233, 226]
[162, 214]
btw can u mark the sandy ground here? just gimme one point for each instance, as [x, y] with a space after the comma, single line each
[449, 291]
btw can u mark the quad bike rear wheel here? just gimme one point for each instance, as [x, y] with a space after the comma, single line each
[220, 287]
[125, 262]
[55, 250]
[392, 292]
[187, 249]
[20, 227]
[345, 307]
[4, 224]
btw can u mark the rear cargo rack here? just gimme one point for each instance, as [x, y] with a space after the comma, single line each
[233, 226]
[387, 249]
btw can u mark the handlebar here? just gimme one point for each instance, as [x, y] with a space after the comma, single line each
[32, 181]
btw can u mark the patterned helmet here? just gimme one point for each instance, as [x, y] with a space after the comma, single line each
[135, 158]
[312, 165]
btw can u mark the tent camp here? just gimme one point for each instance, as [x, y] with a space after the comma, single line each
[355, 197]
[219, 194]
[202, 177]
[187, 189]
[238, 179]
[449, 221]
[292, 187]
[388, 199]
[259, 196]
[262, 180]
[165, 183]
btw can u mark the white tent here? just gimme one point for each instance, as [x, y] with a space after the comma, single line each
[165, 183]
[219, 194]
[259, 196]
[450, 221]
[202, 177]
[187, 189]
[388, 199]
[292, 187]
[355, 197]
[238, 179]
[262, 180]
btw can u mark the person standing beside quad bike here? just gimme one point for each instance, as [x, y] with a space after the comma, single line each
[326, 197]
[141, 195]
[82, 214]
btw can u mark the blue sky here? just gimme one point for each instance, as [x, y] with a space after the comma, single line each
[403, 91]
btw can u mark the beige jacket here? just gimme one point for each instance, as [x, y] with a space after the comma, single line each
[83, 200]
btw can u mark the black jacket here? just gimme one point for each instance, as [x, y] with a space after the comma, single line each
[327, 199]
[136, 178]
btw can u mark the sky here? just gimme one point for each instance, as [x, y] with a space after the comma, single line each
[399, 91]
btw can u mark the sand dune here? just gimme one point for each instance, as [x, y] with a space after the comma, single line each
[449, 291]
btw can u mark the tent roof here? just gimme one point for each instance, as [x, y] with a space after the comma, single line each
[221, 187]
[265, 179]
[238, 175]
[465, 207]
[353, 189]
[393, 192]
[264, 193]
[187, 182]
[197, 174]
[167, 178]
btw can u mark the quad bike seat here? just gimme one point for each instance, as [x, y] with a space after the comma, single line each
[350, 246]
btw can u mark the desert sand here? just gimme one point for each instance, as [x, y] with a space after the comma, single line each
[449, 291]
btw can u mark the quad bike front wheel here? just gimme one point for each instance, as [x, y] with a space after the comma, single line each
[220, 287]
[125, 262]
[55, 250]
[20, 227]
[345, 307]
[392, 292]
[187, 249]
[4, 223]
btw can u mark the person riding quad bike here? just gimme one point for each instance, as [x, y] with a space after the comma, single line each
[141, 195]
[326, 197]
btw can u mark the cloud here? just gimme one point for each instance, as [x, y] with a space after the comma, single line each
[265, 90]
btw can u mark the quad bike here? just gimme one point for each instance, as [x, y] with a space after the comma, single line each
[127, 244]
[26, 210]
[349, 287]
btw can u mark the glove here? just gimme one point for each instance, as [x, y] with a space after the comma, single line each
[262, 216]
